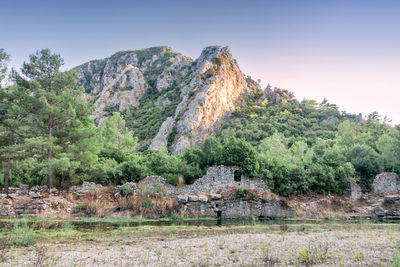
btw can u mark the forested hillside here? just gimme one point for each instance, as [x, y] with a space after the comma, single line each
[48, 134]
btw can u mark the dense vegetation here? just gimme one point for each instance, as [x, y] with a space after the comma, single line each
[47, 135]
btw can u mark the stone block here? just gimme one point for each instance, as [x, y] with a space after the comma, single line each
[193, 198]
[203, 198]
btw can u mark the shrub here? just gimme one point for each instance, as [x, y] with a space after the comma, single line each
[78, 208]
[241, 191]
[174, 218]
[314, 253]
[171, 136]
[146, 203]
[125, 190]
[217, 60]
[24, 235]
[88, 207]
[238, 153]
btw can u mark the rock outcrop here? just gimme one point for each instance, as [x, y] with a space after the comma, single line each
[208, 88]
[355, 191]
[216, 86]
[120, 81]
[386, 182]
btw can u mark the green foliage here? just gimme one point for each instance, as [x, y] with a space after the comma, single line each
[23, 234]
[61, 131]
[78, 208]
[238, 153]
[365, 161]
[146, 203]
[242, 191]
[125, 190]
[171, 136]
[217, 59]
[162, 164]
[117, 140]
[146, 120]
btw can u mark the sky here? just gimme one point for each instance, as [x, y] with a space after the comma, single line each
[346, 51]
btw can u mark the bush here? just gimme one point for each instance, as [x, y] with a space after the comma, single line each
[238, 153]
[146, 203]
[88, 207]
[217, 60]
[24, 235]
[78, 208]
[125, 190]
[241, 191]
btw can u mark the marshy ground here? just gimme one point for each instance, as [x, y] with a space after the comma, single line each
[253, 244]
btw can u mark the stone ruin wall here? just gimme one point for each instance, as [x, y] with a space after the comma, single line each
[219, 178]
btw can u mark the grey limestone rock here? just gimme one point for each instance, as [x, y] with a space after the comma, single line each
[386, 182]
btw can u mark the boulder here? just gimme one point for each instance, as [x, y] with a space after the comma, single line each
[355, 191]
[182, 198]
[193, 198]
[203, 198]
[392, 198]
[155, 185]
[215, 196]
[23, 189]
[34, 195]
[386, 182]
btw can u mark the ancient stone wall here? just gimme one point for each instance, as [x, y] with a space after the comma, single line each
[237, 208]
[219, 178]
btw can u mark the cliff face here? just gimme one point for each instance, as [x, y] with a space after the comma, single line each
[207, 90]
[120, 81]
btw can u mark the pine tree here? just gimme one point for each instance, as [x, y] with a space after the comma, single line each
[118, 141]
[60, 116]
[12, 117]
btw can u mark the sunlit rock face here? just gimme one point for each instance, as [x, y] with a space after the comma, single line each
[209, 89]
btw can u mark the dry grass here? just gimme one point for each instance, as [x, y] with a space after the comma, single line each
[149, 207]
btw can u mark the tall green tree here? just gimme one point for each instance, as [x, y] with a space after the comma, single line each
[76, 138]
[59, 116]
[365, 161]
[118, 141]
[44, 67]
[13, 119]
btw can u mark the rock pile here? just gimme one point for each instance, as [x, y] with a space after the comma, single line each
[85, 188]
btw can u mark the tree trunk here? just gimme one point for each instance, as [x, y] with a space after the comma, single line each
[49, 154]
[7, 171]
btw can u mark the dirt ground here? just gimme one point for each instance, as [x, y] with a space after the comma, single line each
[251, 245]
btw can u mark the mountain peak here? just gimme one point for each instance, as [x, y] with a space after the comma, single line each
[185, 101]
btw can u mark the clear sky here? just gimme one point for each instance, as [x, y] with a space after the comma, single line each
[347, 51]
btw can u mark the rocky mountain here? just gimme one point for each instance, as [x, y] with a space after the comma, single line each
[168, 99]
